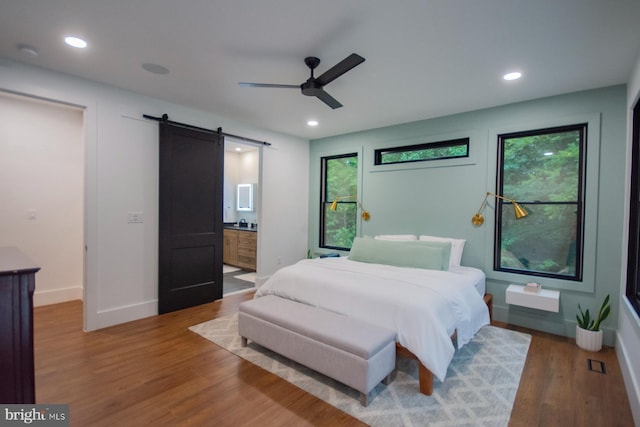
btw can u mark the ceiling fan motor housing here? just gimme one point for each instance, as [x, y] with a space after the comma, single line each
[311, 87]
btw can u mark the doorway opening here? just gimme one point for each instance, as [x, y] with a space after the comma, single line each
[241, 214]
[42, 183]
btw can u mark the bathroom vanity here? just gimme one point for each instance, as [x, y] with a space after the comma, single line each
[240, 244]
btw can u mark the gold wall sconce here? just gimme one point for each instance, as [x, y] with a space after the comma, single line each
[365, 215]
[518, 211]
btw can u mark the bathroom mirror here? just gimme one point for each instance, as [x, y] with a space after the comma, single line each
[245, 197]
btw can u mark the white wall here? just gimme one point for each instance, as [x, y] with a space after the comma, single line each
[287, 243]
[41, 188]
[121, 176]
[231, 171]
[628, 336]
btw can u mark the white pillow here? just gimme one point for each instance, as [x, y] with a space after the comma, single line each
[457, 245]
[397, 237]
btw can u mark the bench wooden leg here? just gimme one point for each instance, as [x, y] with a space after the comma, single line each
[364, 399]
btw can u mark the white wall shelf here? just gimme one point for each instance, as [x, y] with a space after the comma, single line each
[546, 299]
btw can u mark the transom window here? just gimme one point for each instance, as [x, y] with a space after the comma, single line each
[339, 181]
[544, 171]
[423, 152]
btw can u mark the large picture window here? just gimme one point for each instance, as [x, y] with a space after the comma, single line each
[633, 259]
[544, 171]
[339, 181]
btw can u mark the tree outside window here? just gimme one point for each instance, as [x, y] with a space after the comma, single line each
[339, 180]
[543, 170]
[423, 152]
[633, 258]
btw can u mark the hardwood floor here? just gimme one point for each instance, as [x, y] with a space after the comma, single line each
[558, 389]
[155, 372]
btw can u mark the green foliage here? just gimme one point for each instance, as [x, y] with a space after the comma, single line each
[425, 154]
[586, 322]
[542, 172]
[341, 180]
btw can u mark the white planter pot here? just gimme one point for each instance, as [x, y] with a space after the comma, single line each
[588, 340]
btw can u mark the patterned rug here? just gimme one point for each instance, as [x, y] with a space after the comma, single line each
[479, 389]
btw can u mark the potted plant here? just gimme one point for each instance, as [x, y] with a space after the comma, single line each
[588, 333]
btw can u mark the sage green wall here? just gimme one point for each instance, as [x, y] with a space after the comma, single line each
[440, 197]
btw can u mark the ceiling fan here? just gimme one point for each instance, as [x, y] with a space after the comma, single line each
[314, 85]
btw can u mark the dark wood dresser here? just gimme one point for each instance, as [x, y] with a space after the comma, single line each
[17, 283]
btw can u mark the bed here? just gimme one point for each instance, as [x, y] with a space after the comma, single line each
[425, 306]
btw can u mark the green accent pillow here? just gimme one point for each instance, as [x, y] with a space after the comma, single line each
[415, 254]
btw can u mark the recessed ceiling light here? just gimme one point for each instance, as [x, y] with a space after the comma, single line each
[75, 42]
[238, 149]
[155, 68]
[312, 123]
[512, 76]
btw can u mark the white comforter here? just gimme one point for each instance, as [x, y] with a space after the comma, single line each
[424, 307]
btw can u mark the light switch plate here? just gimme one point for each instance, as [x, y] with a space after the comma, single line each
[135, 217]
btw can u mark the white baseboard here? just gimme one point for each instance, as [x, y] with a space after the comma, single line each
[56, 296]
[631, 382]
[115, 316]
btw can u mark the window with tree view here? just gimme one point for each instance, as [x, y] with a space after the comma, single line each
[633, 258]
[543, 170]
[339, 181]
[423, 152]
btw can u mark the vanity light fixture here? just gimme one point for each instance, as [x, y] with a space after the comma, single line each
[518, 211]
[334, 206]
[75, 42]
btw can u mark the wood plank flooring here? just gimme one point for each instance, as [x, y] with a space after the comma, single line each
[155, 372]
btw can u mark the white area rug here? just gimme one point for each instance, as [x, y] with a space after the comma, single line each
[479, 390]
[248, 277]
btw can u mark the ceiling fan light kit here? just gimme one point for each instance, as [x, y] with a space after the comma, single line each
[314, 86]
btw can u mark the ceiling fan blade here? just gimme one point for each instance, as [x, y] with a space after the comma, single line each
[269, 85]
[340, 68]
[327, 99]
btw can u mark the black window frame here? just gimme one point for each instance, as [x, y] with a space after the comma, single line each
[632, 291]
[580, 203]
[378, 153]
[324, 202]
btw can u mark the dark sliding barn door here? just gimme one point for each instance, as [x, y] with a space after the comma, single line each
[190, 217]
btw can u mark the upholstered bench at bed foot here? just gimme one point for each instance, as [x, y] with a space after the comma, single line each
[351, 351]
